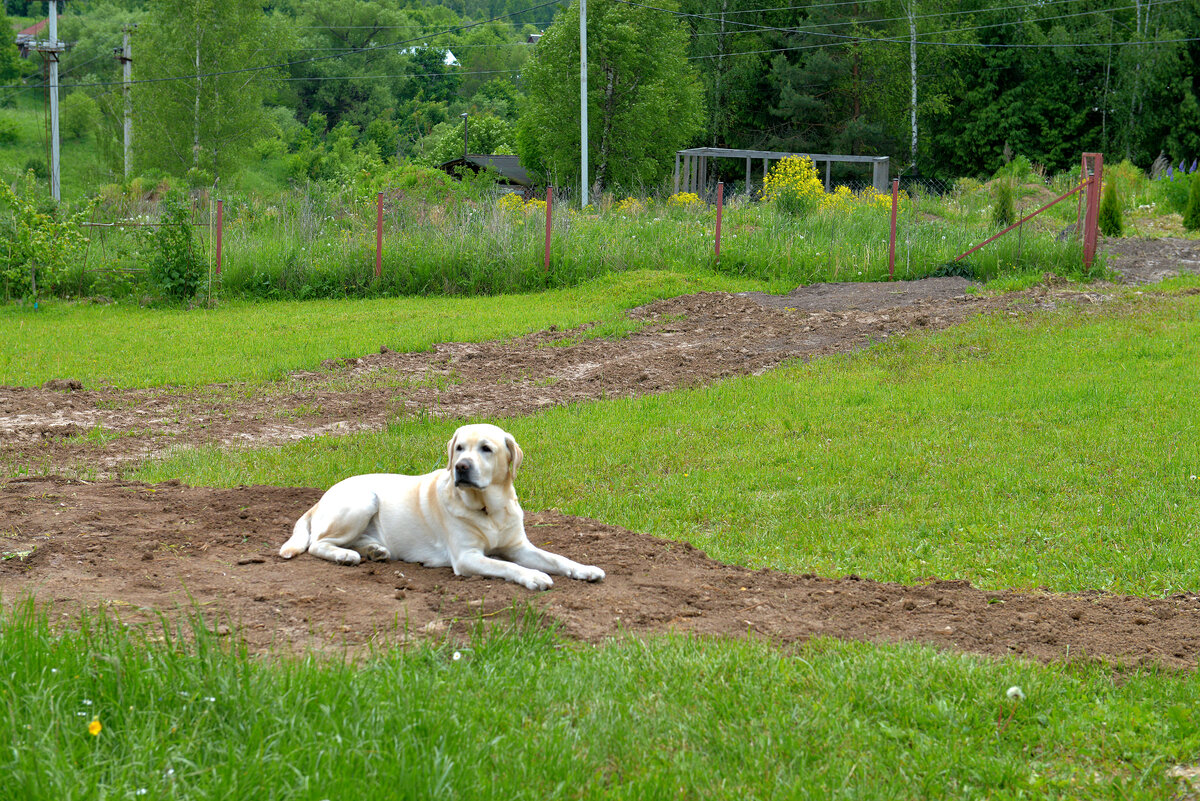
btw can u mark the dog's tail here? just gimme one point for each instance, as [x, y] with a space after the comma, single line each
[301, 534]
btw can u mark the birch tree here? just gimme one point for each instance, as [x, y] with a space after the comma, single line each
[645, 101]
[198, 97]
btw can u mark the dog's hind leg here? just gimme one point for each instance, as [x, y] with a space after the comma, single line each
[339, 522]
[298, 542]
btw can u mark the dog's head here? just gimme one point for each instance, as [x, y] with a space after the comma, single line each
[483, 455]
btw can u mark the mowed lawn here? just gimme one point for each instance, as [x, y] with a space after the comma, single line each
[1054, 449]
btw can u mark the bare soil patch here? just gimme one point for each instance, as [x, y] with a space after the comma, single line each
[138, 549]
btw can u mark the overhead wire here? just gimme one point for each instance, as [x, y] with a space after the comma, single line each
[313, 59]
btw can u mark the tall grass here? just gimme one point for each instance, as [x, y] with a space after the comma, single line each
[519, 714]
[319, 242]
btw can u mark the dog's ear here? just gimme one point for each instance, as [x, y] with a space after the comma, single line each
[450, 452]
[514, 455]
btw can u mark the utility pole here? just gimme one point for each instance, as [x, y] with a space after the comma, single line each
[52, 48]
[912, 60]
[583, 104]
[125, 56]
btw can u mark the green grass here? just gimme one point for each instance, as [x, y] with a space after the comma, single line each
[1058, 450]
[131, 346]
[83, 167]
[519, 714]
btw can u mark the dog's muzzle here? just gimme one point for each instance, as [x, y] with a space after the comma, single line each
[464, 477]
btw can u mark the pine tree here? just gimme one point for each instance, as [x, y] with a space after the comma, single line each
[1191, 214]
[1111, 220]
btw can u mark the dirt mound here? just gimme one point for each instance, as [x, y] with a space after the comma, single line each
[136, 548]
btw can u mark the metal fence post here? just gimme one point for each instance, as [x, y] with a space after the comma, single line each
[720, 203]
[549, 204]
[220, 227]
[892, 235]
[379, 235]
[1092, 217]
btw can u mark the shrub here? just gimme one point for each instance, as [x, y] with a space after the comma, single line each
[176, 269]
[80, 115]
[38, 167]
[794, 186]
[1111, 220]
[8, 131]
[42, 244]
[1019, 169]
[1191, 214]
[1003, 213]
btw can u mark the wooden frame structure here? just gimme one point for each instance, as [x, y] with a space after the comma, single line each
[691, 166]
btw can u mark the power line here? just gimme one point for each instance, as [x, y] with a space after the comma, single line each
[805, 29]
[402, 75]
[855, 21]
[375, 48]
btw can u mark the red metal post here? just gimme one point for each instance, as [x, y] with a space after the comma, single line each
[549, 205]
[892, 235]
[720, 204]
[379, 236]
[1092, 216]
[220, 226]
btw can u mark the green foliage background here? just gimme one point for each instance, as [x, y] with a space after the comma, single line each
[991, 83]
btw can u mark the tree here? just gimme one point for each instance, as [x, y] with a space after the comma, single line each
[203, 121]
[1191, 213]
[10, 59]
[644, 99]
[1111, 220]
[487, 134]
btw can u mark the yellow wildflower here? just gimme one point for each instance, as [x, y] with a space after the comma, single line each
[94, 727]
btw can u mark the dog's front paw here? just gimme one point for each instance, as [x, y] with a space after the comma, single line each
[347, 558]
[535, 580]
[587, 573]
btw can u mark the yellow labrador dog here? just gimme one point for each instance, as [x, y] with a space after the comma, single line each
[463, 517]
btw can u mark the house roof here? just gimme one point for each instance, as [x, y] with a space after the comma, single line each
[509, 167]
[33, 30]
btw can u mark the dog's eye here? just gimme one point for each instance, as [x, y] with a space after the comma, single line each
[485, 448]
[461, 448]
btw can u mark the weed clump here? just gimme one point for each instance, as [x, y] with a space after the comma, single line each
[1003, 212]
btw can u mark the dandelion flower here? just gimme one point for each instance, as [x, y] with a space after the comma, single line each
[94, 727]
[1014, 693]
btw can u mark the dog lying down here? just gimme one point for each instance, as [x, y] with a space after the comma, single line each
[462, 517]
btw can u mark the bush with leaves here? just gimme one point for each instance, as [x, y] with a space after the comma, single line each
[794, 185]
[40, 242]
[79, 115]
[1111, 220]
[177, 268]
[1191, 214]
